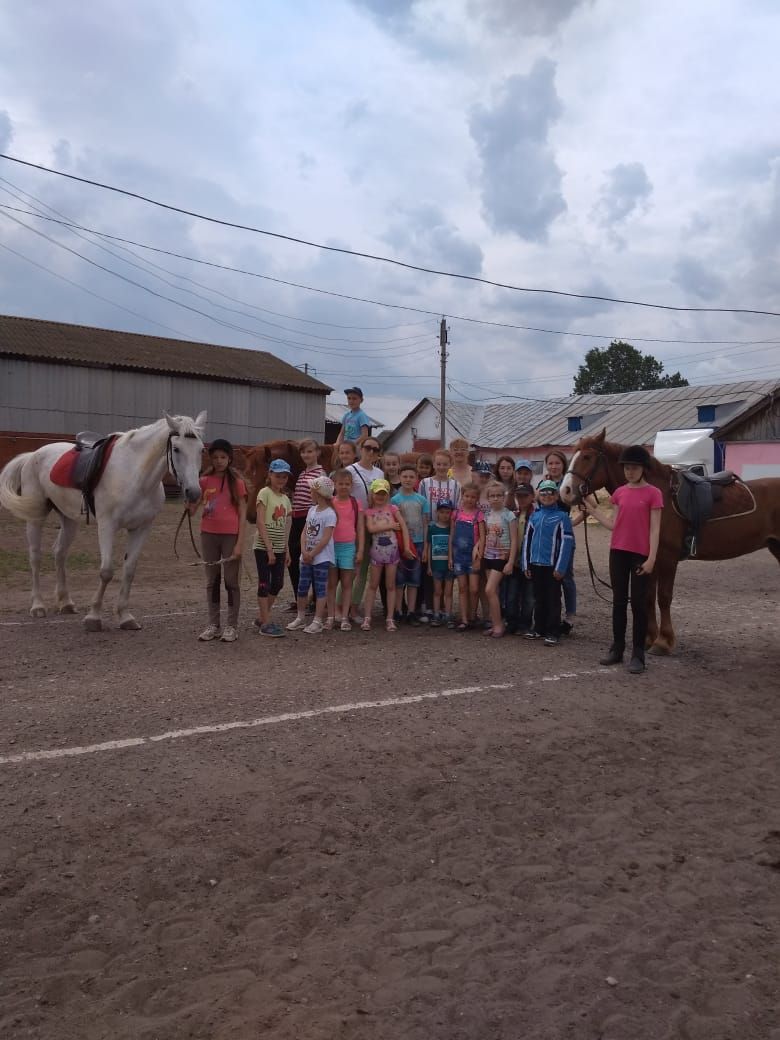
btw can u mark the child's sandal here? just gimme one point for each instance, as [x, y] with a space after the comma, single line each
[390, 625]
[366, 626]
[462, 626]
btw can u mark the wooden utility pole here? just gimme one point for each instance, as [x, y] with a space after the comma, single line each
[443, 341]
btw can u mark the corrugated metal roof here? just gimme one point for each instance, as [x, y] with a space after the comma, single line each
[33, 338]
[632, 418]
[335, 413]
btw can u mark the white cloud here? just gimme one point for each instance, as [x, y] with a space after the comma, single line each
[457, 134]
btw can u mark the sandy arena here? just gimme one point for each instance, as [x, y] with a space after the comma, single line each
[486, 841]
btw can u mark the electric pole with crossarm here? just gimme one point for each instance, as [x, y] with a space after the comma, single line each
[443, 341]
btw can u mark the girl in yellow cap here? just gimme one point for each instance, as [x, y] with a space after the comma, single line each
[384, 523]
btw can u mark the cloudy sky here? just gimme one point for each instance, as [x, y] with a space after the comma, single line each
[589, 146]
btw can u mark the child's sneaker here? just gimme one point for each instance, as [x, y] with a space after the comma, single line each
[436, 621]
[296, 623]
[212, 632]
[550, 640]
[424, 618]
[314, 627]
[229, 634]
[533, 634]
[451, 625]
[271, 630]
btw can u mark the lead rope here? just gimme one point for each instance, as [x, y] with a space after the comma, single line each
[591, 569]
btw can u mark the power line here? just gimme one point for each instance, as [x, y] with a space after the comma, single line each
[77, 231]
[380, 354]
[384, 259]
[89, 292]
[378, 303]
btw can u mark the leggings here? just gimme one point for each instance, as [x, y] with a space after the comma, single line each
[269, 578]
[623, 575]
[219, 547]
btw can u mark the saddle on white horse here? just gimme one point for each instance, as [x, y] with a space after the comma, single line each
[82, 466]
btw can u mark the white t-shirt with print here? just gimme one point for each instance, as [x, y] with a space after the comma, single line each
[317, 520]
[361, 481]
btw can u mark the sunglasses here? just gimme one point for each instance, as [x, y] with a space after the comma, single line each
[371, 447]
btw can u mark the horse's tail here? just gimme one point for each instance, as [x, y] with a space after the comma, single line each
[23, 507]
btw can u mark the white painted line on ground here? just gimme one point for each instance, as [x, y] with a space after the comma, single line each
[273, 720]
[80, 617]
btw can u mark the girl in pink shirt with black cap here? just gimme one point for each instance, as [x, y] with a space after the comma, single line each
[636, 527]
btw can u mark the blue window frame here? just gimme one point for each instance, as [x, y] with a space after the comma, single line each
[575, 423]
[706, 413]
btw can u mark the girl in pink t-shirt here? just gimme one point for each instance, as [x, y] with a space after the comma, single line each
[348, 540]
[636, 527]
[223, 497]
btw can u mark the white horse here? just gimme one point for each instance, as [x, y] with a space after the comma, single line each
[128, 497]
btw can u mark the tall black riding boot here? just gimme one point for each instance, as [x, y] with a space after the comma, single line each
[615, 655]
[637, 663]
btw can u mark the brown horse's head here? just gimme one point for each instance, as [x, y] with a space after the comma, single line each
[591, 468]
[258, 460]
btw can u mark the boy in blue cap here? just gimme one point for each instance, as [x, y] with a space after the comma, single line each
[355, 425]
[548, 546]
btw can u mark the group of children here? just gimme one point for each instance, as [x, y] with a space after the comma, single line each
[413, 532]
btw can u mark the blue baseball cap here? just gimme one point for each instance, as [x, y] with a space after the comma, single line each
[482, 466]
[523, 464]
[279, 466]
[445, 504]
[354, 390]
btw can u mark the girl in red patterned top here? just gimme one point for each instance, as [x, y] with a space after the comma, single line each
[301, 501]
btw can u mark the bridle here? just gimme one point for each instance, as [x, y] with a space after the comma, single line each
[172, 470]
[583, 491]
[584, 488]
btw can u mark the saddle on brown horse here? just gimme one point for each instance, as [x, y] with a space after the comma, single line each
[695, 498]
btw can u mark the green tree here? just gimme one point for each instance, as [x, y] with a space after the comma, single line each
[620, 368]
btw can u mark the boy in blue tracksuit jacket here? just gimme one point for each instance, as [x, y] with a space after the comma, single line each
[548, 546]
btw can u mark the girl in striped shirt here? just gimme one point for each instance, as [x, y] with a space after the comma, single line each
[301, 501]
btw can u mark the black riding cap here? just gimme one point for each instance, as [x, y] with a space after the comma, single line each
[635, 455]
[220, 444]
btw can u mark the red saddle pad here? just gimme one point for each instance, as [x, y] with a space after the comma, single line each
[61, 472]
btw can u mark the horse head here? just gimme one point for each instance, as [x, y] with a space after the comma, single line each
[185, 450]
[588, 470]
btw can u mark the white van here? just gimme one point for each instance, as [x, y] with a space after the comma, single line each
[687, 449]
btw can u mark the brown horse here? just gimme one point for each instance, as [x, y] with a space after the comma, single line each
[747, 518]
[254, 463]
[257, 460]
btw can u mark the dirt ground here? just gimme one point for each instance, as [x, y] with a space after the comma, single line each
[541, 850]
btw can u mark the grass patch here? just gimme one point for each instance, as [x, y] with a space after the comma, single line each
[14, 561]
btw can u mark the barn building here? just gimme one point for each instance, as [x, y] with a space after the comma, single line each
[745, 417]
[57, 379]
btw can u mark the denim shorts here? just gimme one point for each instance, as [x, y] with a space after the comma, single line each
[462, 565]
[441, 571]
[409, 572]
[345, 555]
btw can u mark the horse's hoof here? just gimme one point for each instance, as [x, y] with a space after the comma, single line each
[660, 650]
[93, 624]
[37, 611]
[68, 608]
[130, 625]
